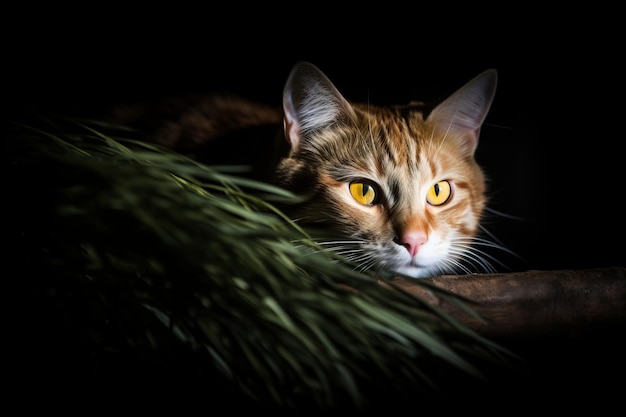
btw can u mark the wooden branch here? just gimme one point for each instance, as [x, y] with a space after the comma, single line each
[534, 302]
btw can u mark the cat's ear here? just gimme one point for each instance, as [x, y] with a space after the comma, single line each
[311, 102]
[464, 112]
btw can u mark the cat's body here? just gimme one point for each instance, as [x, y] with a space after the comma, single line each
[392, 187]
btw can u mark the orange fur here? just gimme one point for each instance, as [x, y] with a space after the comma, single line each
[402, 151]
[399, 152]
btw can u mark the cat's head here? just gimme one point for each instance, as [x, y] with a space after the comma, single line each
[387, 187]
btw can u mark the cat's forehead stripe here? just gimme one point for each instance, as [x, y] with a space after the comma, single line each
[392, 135]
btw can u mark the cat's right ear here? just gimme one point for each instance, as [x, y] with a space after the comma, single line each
[310, 102]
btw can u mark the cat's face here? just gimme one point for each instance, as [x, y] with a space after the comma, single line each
[394, 187]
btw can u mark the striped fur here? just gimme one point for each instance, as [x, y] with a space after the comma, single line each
[403, 151]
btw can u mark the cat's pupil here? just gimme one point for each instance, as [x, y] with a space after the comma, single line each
[365, 189]
[436, 189]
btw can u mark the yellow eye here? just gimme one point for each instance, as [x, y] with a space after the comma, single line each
[364, 192]
[439, 193]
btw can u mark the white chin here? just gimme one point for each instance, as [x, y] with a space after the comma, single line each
[416, 271]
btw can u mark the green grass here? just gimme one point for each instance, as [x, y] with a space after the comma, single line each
[133, 251]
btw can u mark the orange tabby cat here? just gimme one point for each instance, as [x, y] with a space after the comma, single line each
[391, 188]
[394, 187]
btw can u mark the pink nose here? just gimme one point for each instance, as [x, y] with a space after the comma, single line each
[412, 240]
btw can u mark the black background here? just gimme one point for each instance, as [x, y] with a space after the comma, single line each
[551, 146]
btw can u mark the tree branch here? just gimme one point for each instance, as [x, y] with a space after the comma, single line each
[532, 303]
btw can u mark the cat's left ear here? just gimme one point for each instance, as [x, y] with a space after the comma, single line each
[310, 103]
[464, 112]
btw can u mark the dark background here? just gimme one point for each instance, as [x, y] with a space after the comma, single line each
[551, 145]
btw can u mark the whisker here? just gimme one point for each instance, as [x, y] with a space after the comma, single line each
[468, 249]
[474, 258]
[490, 235]
[502, 214]
[454, 264]
[483, 242]
[365, 266]
[334, 242]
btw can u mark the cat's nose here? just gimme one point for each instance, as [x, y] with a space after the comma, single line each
[412, 240]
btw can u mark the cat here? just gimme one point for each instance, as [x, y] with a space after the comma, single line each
[389, 188]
